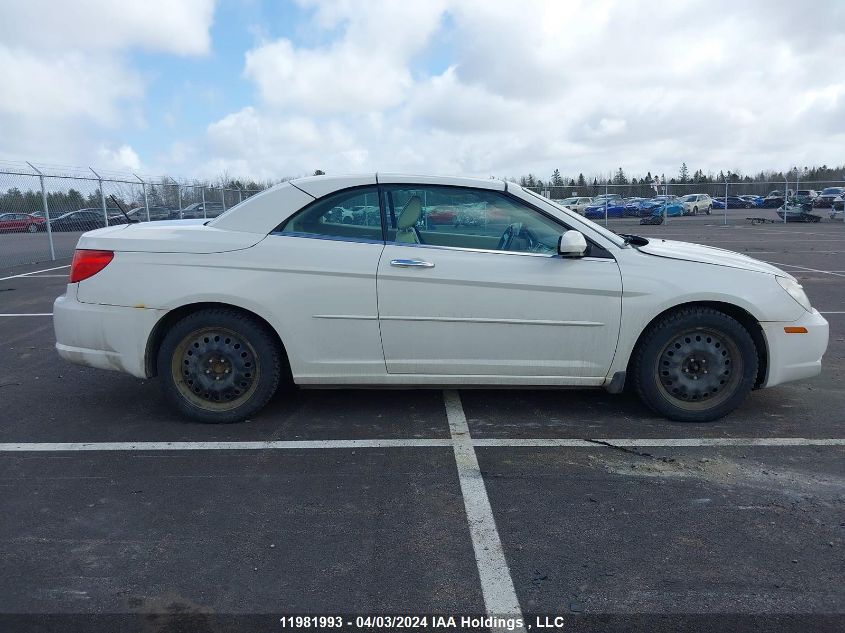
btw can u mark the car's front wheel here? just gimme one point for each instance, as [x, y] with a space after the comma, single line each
[695, 365]
[32, 228]
[219, 365]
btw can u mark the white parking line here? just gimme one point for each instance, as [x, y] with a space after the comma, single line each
[596, 443]
[496, 583]
[25, 314]
[217, 446]
[34, 272]
[663, 442]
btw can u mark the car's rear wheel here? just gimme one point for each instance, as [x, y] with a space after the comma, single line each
[32, 228]
[695, 365]
[219, 365]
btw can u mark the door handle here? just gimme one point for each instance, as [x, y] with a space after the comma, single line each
[411, 263]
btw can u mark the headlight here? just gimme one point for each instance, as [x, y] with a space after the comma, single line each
[796, 291]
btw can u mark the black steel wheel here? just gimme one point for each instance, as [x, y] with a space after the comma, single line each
[695, 365]
[219, 365]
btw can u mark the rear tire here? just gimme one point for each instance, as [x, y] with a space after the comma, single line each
[695, 365]
[219, 365]
[32, 228]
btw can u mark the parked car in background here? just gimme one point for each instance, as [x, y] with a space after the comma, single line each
[21, 223]
[140, 214]
[805, 195]
[734, 202]
[198, 210]
[696, 203]
[441, 214]
[632, 207]
[669, 208]
[611, 208]
[82, 219]
[578, 204]
[825, 199]
[776, 198]
[755, 200]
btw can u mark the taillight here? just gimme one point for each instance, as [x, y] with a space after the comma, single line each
[88, 263]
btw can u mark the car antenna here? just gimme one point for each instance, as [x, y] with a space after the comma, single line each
[122, 210]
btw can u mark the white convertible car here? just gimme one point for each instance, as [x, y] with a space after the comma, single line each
[297, 283]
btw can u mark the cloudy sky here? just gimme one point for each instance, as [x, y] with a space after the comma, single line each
[265, 89]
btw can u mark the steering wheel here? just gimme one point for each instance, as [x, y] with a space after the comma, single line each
[515, 230]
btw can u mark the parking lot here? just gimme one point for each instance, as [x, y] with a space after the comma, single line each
[331, 502]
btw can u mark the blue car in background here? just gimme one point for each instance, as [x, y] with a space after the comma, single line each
[672, 209]
[654, 206]
[615, 209]
[756, 201]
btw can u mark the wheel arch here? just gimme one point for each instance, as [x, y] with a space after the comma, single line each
[160, 329]
[745, 318]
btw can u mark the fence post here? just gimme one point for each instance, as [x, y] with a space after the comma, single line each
[46, 211]
[179, 199]
[785, 195]
[605, 203]
[102, 197]
[726, 201]
[223, 197]
[204, 211]
[146, 200]
[240, 196]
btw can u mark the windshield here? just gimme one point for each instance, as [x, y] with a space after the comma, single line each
[832, 190]
[574, 218]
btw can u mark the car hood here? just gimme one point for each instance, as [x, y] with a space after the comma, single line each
[168, 236]
[690, 252]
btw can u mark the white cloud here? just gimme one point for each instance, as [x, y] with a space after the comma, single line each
[365, 68]
[122, 158]
[66, 78]
[104, 25]
[583, 85]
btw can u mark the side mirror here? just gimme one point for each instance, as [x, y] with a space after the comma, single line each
[572, 244]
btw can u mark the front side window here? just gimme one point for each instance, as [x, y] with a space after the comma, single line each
[352, 214]
[467, 218]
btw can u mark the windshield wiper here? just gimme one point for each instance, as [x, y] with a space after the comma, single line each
[636, 240]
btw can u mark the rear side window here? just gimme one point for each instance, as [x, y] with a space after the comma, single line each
[352, 214]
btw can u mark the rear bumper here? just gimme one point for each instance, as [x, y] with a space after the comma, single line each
[102, 336]
[795, 356]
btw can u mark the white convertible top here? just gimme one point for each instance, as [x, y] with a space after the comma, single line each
[264, 211]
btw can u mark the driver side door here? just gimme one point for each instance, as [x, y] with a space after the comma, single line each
[488, 295]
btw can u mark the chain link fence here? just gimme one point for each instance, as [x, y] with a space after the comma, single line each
[44, 210]
[728, 203]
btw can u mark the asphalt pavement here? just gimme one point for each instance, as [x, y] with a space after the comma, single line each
[348, 502]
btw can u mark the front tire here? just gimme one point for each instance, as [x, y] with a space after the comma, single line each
[695, 365]
[219, 365]
[32, 228]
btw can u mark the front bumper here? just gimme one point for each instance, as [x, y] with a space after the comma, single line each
[795, 356]
[103, 336]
